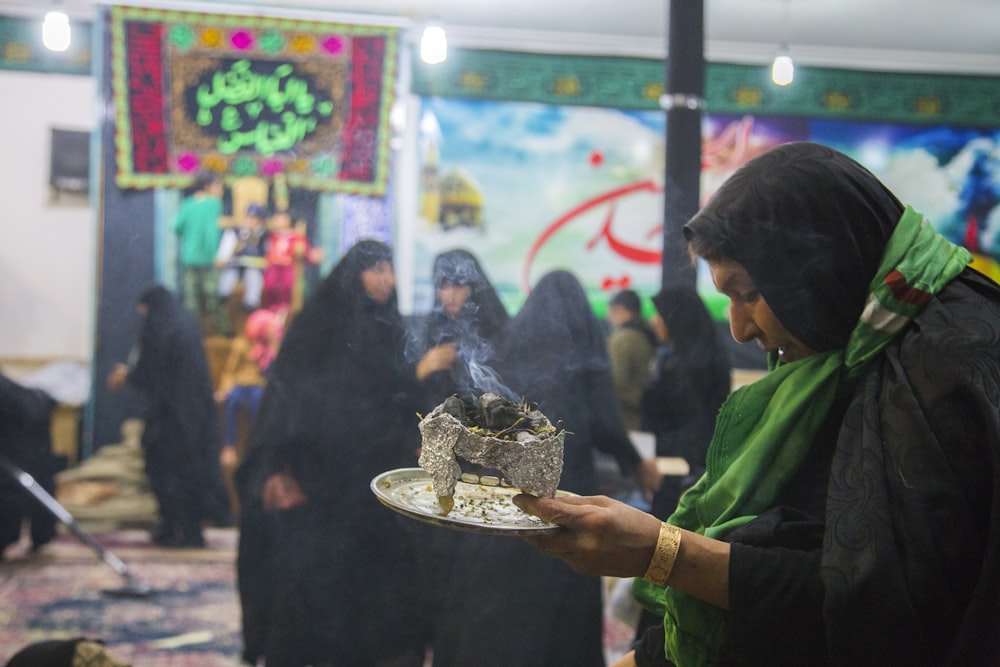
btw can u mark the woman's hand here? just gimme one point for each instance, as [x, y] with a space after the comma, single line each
[118, 377]
[627, 660]
[438, 358]
[600, 536]
[282, 492]
[222, 393]
[228, 457]
[648, 478]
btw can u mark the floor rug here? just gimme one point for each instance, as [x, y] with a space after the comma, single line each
[192, 620]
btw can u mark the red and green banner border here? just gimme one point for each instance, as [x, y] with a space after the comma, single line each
[142, 40]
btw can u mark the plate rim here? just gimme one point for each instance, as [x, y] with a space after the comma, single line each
[419, 474]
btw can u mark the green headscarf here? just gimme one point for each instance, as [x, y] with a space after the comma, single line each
[765, 429]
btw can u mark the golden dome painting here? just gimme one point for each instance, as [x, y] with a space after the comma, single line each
[461, 201]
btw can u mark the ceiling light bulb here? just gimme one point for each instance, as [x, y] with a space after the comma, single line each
[782, 69]
[56, 31]
[433, 45]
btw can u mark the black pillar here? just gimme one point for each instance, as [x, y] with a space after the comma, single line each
[125, 268]
[684, 100]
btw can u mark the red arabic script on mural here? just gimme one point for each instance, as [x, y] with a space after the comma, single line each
[629, 252]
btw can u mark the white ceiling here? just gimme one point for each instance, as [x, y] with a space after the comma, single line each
[958, 36]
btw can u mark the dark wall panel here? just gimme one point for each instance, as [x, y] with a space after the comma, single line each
[125, 266]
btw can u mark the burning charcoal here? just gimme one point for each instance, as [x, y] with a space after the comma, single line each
[454, 406]
[473, 411]
[536, 420]
[499, 414]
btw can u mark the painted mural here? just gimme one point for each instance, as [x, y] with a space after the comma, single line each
[533, 187]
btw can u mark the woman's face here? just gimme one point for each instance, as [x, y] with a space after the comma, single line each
[379, 281]
[750, 318]
[453, 297]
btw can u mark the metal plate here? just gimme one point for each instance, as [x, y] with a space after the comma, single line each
[478, 509]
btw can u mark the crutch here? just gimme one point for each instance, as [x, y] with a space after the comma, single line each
[134, 587]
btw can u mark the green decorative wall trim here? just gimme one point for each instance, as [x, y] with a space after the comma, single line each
[21, 47]
[549, 79]
[856, 95]
[630, 83]
[636, 83]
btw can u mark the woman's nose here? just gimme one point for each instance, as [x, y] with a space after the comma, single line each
[741, 325]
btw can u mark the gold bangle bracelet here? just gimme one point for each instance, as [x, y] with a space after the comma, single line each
[668, 543]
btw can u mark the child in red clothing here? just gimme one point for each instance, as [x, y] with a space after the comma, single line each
[287, 247]
[241, 386]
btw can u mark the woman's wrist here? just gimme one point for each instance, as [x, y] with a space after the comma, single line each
[668, 544]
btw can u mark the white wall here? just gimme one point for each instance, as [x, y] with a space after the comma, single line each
[48, 248]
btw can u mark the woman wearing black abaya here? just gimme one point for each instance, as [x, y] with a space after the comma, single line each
[325, 572]
[26, 442]
[180, 438]
[508, 604]
[848, 514]
[460, 331]
[554, 353]
[690, 382]
[463, 327]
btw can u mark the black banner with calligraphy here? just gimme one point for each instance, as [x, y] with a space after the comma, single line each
[249, 95]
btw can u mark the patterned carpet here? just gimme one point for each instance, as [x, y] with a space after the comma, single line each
[193, 620]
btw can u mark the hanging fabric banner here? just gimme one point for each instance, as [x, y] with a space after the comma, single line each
[251, 95]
